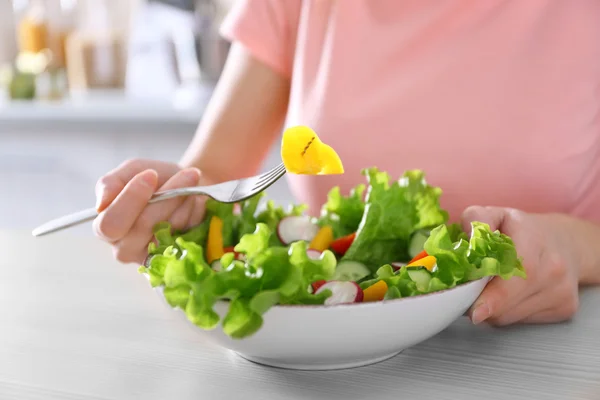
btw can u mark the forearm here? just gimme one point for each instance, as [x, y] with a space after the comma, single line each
[242, 120]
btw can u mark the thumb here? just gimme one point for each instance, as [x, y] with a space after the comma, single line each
[493, 216]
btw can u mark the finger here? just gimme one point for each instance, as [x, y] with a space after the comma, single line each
[141, 233]
[499, 296]
[493, 216]
[527, 307]
[197, 214]
[179, 218]
[114, 222]
[110, 185]
[125, 254]
[562, 303]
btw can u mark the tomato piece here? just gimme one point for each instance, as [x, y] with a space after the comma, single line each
[341, 245]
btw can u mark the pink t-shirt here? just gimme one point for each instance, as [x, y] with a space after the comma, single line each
[498, 101]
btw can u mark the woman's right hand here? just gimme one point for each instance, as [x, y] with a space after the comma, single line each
[126, 219]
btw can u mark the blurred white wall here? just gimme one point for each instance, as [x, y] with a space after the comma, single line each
[52, 154]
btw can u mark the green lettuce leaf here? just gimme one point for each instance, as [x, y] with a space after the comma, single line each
[493, 253]
[254, 244]
[486, 253]
[456, 233]
[312, 270]
[246, 221]
[343, 213]
[197, 234]
[393, 212]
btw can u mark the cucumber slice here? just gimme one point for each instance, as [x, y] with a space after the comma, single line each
[420, 276]
[416, 242]
[350, 271]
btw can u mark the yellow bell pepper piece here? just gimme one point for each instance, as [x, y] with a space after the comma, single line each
[375, 292]
[322, 239]
[304, 153]
[214, 245]
[427, 262]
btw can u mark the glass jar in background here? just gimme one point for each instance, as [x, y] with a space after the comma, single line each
[95, 51]
[38, 70]
[33, 54]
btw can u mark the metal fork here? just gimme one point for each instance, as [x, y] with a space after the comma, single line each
[226, 192]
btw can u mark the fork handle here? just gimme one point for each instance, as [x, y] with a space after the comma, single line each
[89, 214]
[66, 221]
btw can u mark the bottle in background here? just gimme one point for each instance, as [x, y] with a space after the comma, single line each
[62, 17]
[32, 27]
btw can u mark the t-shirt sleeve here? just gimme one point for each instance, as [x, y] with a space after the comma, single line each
[264, 27]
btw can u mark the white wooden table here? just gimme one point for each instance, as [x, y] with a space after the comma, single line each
[76, 325]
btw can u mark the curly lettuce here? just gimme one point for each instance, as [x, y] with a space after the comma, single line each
[343, 213]
[486, 253]
[236, 223]
[269, 276]
[460, 259]
[393, 212]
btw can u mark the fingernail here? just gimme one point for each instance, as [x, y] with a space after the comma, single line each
[99, 196]
[480, 313]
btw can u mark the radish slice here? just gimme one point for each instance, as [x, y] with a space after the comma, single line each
[296, 228]
[398, 265]
[342, 292]
[313, 254]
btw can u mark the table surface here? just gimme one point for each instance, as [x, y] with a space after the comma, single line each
[77, 325]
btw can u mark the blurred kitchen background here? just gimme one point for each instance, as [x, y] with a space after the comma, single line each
[87, 84]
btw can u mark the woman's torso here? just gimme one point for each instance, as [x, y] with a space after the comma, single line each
[497, 101]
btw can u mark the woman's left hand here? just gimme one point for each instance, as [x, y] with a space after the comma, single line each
[559, 252]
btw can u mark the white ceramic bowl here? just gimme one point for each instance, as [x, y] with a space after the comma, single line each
[349, 335]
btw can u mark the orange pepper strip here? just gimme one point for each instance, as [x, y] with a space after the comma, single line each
[322, 239]
[427, 262]
[375, 292]
[214, 245]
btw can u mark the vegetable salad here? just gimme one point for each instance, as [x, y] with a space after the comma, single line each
[387, 239]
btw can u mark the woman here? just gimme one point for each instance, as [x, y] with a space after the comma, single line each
[498, 101]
